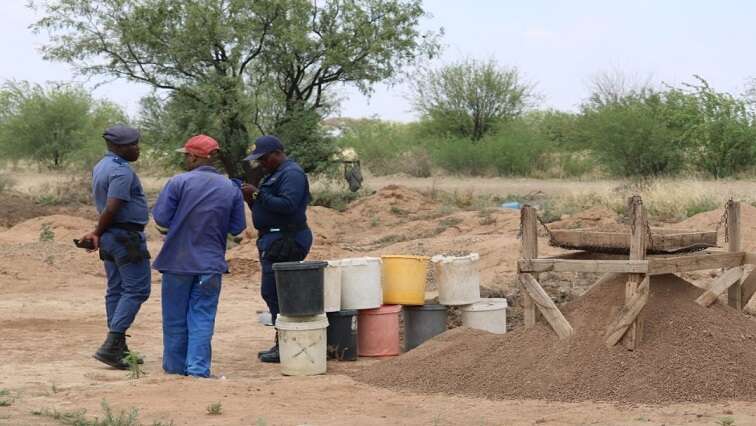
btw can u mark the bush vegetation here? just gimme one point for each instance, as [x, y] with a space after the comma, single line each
[691, 130]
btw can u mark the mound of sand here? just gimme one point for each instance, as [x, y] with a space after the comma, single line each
[710, 221]
[598, 218]
[63, 227]
[689, 353]
[390, 204]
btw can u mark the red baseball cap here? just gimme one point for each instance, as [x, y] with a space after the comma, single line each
[200, 146]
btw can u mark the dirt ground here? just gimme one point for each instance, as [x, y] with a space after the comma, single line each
[52, 320]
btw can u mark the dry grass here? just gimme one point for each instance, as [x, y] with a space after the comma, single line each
[666, 200]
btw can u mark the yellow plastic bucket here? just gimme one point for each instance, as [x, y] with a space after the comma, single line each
[404, 279]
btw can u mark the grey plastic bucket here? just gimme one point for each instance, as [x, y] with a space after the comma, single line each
[422, 323]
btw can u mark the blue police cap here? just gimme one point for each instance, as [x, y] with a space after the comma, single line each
[264, 145]
[121, 135]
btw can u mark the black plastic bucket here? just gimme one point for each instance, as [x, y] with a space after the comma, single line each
[300, 287]
[342, 335]
[421, 323]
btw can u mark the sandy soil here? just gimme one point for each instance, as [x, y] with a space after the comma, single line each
[52, 320]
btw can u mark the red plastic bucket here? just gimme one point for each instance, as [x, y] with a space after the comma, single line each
[379, 331]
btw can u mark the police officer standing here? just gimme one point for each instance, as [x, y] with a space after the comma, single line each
[279, 208]
[119, 236]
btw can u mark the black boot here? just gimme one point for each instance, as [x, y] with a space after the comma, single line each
[112, 351]
[126, 352]
[271, 356]
[273, 348]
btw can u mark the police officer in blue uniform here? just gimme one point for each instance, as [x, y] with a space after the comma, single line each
[119, 236]
[279, 207]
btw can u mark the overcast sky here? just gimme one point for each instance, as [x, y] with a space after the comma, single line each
[558, 45]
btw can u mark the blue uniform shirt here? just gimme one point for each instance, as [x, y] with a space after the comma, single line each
[199, 208]
[112, 177]
[283, 197]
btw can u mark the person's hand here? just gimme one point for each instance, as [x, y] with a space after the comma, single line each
[94, 238]
[248, 192]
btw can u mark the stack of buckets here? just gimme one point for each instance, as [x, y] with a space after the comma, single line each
[348, 308]
[302, 322]
[458, 282]
[375, 290]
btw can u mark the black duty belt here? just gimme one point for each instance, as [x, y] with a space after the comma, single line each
[128, 226]
[283, 228]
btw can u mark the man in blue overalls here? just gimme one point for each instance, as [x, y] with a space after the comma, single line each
[197, 210]
[119, 236]
[279, 208]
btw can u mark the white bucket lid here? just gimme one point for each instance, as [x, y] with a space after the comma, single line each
[334, 263]
[490, 304]
[472, 257]
[301, 323]
[359, 261]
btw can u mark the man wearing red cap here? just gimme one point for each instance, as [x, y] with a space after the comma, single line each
[197, 210]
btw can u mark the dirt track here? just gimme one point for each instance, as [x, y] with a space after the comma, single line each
[52, 319]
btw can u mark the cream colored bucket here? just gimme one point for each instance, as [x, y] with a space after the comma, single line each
[487, 314]
[302, 344]
[332, 286]
[361, 283]
[457, 279]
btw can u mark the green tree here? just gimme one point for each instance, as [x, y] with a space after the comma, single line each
[721, 132]
[470, 98]
[241, 67]
[633, 134]
[54, 125]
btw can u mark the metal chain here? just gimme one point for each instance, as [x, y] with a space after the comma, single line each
[548, 231]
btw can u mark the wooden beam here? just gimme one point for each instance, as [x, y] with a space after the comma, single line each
[694, 262]
[638, 244]
[628, 315]
[719, 285]
[547, 307]
[748, 288]
[749, 258]
[663, 240]
[595, 266]
[528, 250]
[734, 244]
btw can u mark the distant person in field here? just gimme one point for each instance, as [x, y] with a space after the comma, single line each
[197, 210]
[279, 207]
[119, 236]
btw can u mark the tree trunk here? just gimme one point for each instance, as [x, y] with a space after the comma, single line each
[234, 147]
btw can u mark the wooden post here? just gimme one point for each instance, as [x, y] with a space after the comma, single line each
[638, 240]
[529, 250]
[734, 244]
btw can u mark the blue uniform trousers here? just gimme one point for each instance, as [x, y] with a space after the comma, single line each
[190, 303]
[268, 285]
[129, 283]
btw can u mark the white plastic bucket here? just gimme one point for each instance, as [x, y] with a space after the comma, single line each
[457, 279]
[332, 286]
[302, 344]
[487, 314]
[361, 283]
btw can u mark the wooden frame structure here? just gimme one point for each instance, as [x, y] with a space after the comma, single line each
[638, 267]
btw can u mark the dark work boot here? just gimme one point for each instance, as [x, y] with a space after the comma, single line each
[273, 348]
[271, 356]
[112, 351]
[126, 352]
